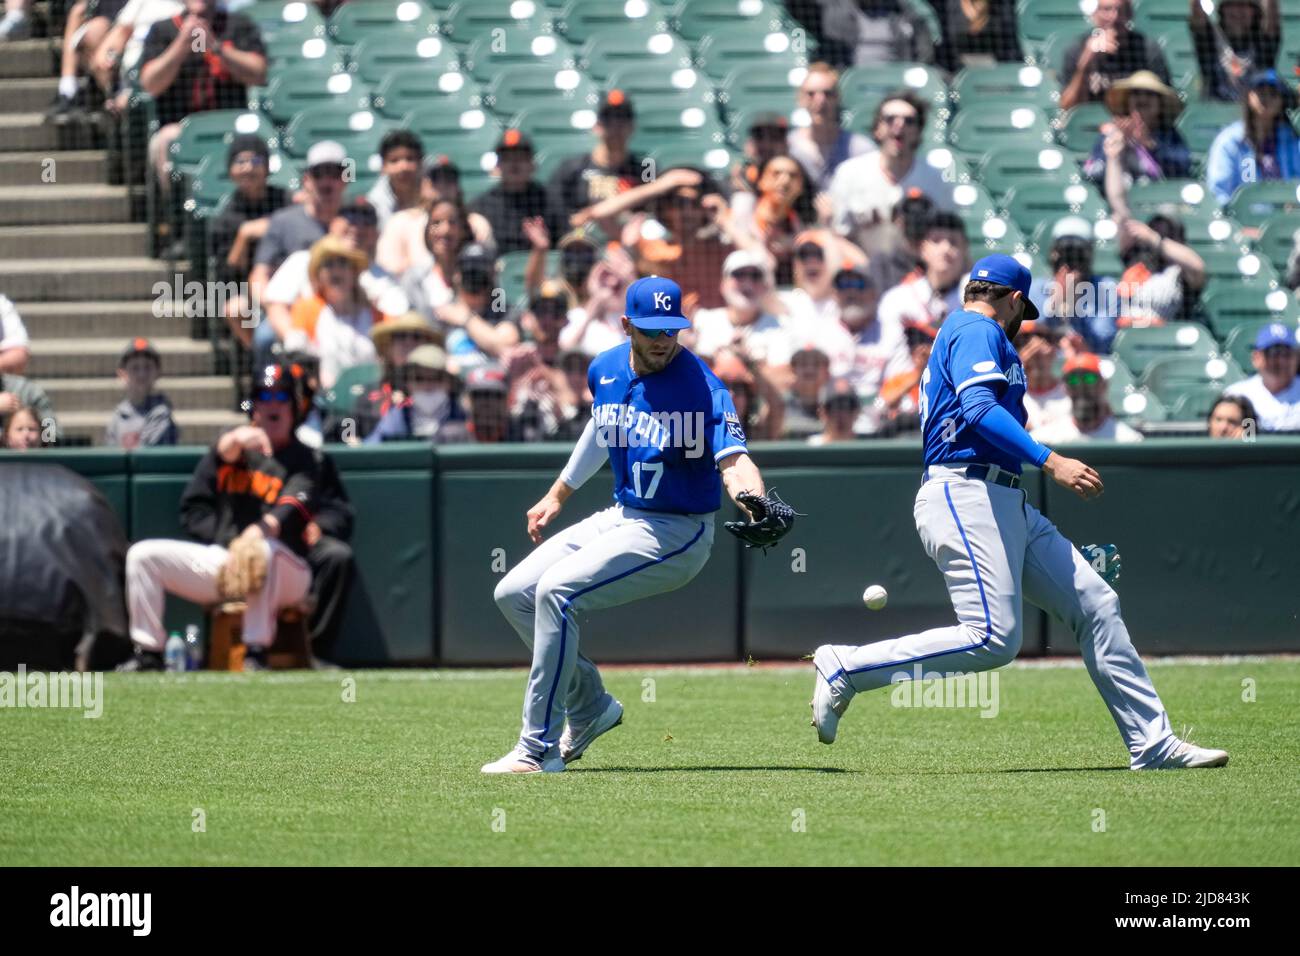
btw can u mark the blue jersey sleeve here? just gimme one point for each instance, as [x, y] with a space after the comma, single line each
[998, 427]
[726, 433]
[976, 356]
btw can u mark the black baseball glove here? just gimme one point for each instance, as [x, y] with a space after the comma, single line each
[771, 520]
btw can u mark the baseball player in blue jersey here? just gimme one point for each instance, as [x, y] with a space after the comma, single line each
[993, 547]
[673, 440]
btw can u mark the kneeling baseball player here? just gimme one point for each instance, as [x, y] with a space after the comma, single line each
[993, 547]
[673, 439]
[249, 507]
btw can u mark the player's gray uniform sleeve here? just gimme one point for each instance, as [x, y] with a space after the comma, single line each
[586, 459]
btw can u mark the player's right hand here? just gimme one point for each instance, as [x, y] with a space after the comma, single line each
[540, 515]
[1073, 474]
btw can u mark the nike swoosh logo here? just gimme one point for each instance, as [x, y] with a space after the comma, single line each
[606, 381]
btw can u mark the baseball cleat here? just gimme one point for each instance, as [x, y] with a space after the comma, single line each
[1189, 755]
[574, 743]
[520, 761]
[826, 709]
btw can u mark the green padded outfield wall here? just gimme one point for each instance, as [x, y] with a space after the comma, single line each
[1208, 532]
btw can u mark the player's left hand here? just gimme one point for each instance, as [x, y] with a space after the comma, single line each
[770, 520]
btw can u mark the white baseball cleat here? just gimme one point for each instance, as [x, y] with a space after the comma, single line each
[521, 761]
[1189, 755]
[574, 743]
[826, 709]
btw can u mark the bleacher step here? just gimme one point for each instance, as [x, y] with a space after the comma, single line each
[51, 320]
[76, 241]
[200, 392]
[25, 58]
[41, 168]
[52, 203]
[51, 358]
[22, 132]
[80, 279]
[28, 94]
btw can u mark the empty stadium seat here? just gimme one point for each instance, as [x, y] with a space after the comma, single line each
[1170, 376]
[1138, 348]
[1028, 84]
[1005, 166]
[1078, 130]
[357, 131]
[413, 87]
[1255, 203]
[697, 20]
[1202, 120]
[1195, 402]
[512, 46]
[1139, 405]
[470, 19]
[604, 56]
[719, 54]
[375, 57]
[1277, 238]
[209, 134]
[580, 20]
[275, 18]
[1227, 306]
[1037, 20]
[1187, 194]
[866, 85]
[1234, 265]
[295, 52]
[353, 22]
[1003, 122]
[519, 87]
[293, 91]
[1032, 204]
[556, 127]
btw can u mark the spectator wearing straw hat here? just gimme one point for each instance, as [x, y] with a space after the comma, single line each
[334, 322]
[429, 411]
[1140, 136]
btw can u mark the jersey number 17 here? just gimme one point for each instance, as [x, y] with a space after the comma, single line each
[655, 469]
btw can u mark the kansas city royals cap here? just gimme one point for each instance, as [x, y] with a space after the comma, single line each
[1275, 333]
[656, 303]
[1001, 269]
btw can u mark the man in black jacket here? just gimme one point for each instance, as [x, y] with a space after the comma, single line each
[257, 482]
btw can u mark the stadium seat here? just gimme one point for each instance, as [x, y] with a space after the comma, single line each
[697, 20]
[469, 19]
[1228, 306]
[1277, 238]
[1138, 405]
[1234, 265]
[580, 20]
[555, 127]
[275, 18]
[1201, 121]
[1161, 17]
[691, 136]
[1187, 194]
[712, 156]
[413, 87]
[1195, 402]
[1005, 166]
[511, 271]
[646, 88]
[519, 87]
[1002, 122]
[1138, 348]
[865, 86]
[352, 383]
[602, 56]
[441, 127]
[1253, 204]
[208, 134]
[293, 91]
[1180, 56]
[295, 52]
[971, 88]
[1038, 20]
[511, 46]
[354, 22]
[375, 57]
[1078, 129]
[358, 132]
[1032, 204]
[718, 55]
[1168, 377]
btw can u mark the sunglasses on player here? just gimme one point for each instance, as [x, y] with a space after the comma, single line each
[1075, 379]
[655, 333]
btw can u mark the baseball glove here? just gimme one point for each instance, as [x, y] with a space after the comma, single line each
[1104, 559]
[771, 520]
[245, 569]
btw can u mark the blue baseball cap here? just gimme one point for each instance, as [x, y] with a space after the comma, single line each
[1275, 333]
[1005, 270]
[656, 303]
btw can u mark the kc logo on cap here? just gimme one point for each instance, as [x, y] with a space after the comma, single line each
[655, 303]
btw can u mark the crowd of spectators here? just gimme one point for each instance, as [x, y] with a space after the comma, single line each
[817, 271]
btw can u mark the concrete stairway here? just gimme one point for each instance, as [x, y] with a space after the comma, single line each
[79, 272]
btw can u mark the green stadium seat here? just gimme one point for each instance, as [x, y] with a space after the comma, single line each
[436, 125]
[1138, 348]
[357, 131]
[555, 128]
[295, 52]
[580, 20]
[470, 19]
[276, 18]
[519, 87]
[1037, 20]
[710, 155]
[1028, 84]
[862, 87]
[513, 265]
[375, 57]
[356, 21]
[1277, 238]
[1195, 402]
[1002, 122]
[1228, 306]
[293, 91]
[1139, 405]
[208, 134]
[1235, 266]
[1032, 204]
[1255, 203]
[1161, 17]
[413, 87]
[718, 55]
[1180, 56]
[697, 20]
[603, 56]
[1202, 120]
[1169, 376]
[352, 384]
[1078, 131]
[512, 46]
[691, 136]
[1003, 167]
[1241, 342]
[1118, 378]
[1186, 194]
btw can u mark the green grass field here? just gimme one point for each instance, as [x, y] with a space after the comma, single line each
[721, 768]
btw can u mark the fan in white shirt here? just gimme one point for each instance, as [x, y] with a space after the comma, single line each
[1090, 414]
[1047, 403]
[1275, 391]
[811, 305]
[935, 290]
[334, 322]
[865, 188]
[743, 322]
[14, 347]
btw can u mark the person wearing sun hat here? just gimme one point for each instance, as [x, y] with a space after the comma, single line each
[1140, 134]
[1260, 146]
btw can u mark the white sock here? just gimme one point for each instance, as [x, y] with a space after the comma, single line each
[67, 86]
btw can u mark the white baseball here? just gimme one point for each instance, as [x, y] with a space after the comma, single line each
[875, 597]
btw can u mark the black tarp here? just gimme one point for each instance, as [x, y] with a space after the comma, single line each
[62, 570]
